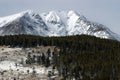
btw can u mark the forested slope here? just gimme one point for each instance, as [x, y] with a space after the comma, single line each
[80, 57]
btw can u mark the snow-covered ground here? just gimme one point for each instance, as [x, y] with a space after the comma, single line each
[11, 67]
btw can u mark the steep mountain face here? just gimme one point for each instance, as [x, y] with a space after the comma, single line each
[53, 23]
[23, 23]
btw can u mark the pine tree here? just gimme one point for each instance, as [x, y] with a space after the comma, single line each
[47, 62]
[49, 52]
[43, 59]
[29, 59]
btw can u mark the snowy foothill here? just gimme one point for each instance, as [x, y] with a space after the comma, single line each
[10, 63]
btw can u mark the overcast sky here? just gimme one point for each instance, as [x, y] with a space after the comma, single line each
[106, 12]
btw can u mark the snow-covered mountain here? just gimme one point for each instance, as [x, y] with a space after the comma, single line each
[53, 23]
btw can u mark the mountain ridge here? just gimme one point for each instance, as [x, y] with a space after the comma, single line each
[53, 23]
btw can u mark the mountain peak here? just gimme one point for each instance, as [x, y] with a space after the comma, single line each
[15, 17]
[27, 12]
[71, 12]
[53, 23]
[52, 16]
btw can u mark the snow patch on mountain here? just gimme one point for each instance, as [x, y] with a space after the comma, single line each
[54, 23]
